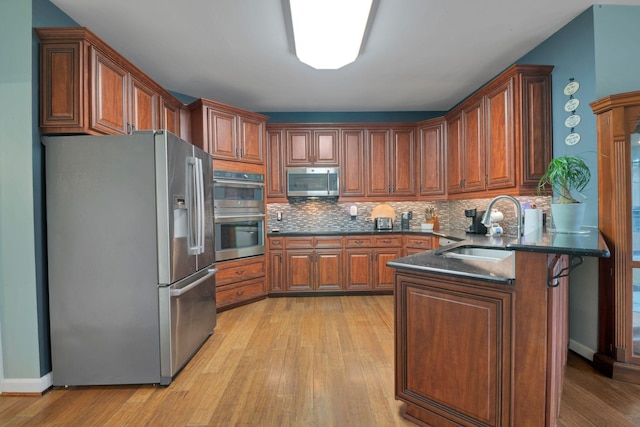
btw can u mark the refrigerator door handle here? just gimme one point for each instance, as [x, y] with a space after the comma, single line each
[192, 206]
[181, 291]
[201, 216]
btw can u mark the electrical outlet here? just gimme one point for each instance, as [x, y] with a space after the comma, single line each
[278, 216]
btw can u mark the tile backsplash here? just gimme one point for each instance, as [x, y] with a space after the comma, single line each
[302, 214]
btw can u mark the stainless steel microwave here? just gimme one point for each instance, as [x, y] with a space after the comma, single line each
[313, 182]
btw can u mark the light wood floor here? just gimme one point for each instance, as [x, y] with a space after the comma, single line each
[318, 361]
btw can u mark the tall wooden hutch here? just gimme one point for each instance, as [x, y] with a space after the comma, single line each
[618, 123]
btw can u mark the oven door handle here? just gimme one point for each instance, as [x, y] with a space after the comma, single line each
[239, 217]
[181, 291]
[243, 184]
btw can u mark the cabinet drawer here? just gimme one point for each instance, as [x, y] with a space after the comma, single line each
[328, 242]
[387, 241]
[420, 242]
[276, 243]
[235, 271]
[240, 292]
[302, 242]
[359, 241]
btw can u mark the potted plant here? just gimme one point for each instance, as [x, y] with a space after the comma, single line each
[565, 175]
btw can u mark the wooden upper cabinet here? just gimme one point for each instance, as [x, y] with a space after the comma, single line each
[109, 83]
[403, 162]
[275, 165]
[251, 139]
[228, 133]
[88, 88]
[431, 139]
[143, 106]
[500, 155]
[312, 147]
[170, 115]
[352, 170]
[474, 146]
[378, 160]
[465, 148]
[455, 154]
[499, 140]
[298, 147]
[391, 162]
[221, 127]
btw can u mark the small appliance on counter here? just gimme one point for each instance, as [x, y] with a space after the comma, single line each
[477, 227]
[383, 223]
[405, 218]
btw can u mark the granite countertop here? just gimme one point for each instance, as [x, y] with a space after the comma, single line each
[587, 242]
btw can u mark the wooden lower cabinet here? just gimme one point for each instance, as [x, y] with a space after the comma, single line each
[416, 244]
[310, 264]
[240, 281]
[475, 352]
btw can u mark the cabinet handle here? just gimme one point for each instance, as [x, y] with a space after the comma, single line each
[240, 271]
[386, 241]
[486, 181]
[359, 241]
[239, 293]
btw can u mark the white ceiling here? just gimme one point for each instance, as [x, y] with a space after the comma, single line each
[420, 55]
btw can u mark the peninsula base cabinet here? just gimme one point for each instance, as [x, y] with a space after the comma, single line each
[472, 352]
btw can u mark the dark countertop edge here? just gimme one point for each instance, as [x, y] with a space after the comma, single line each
[598, 253]
[454, 273]
[350, 232]
[463, 238]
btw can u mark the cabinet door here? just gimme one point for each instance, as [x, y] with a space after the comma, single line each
[109, 95]
[222, 134]
[378, 178]
[500, 133]
[276, 284]
[251, 140]
[275, 165]
[299, 271]
[536, 147]
[169, 116]
[359, 272]
[143, 102]
[328, 269]
[455, 153]
[403, 174]
[431, 160]
[352, 169]
[385, 276]
[61, 83]
[474, 147]
[298, 147]
[326, 149]
[448, 336]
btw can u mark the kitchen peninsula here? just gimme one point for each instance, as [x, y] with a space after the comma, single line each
[482, 328]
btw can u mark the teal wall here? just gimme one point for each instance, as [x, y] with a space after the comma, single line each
[18, 295]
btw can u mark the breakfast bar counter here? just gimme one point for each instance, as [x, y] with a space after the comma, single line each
[482, 328]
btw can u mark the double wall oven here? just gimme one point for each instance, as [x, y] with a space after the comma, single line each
[239, 217]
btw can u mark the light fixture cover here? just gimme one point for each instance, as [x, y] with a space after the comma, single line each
[328, 33]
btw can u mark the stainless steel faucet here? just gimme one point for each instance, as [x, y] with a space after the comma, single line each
[486, 218]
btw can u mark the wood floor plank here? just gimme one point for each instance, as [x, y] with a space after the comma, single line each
[303, 362]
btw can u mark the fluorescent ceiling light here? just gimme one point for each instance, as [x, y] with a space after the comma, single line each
[328, 33]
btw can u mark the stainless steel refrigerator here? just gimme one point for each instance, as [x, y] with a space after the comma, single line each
[130, 254]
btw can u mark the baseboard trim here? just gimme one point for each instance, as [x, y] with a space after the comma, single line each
[25, 386]
[582, 349]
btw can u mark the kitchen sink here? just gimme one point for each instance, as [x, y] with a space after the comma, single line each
[478, 254]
